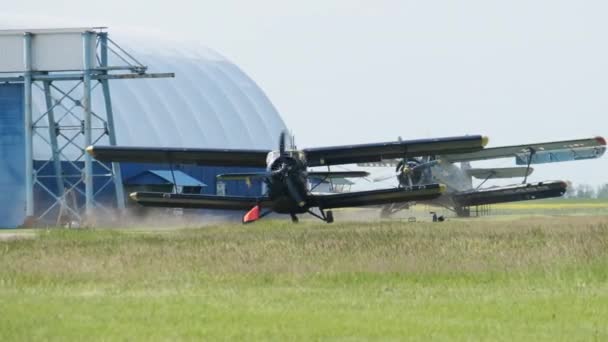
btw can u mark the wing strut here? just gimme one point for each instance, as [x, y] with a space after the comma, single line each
[490, 175]
[331, 182]
[532, 153]
[172, 173]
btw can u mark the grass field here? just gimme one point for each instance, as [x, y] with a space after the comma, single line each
[517, 279]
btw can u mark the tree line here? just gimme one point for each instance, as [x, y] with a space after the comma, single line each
[587, 191]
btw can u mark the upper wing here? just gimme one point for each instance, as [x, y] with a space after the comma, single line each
[156, 199]
[376, 197]
[548, 152]
[511, 193]
[199, 156]
[397, 149]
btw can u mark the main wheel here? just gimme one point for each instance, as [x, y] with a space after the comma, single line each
[386, 211]
[294, 218]
[329, 216]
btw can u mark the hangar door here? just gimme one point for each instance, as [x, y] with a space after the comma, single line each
[12, 156]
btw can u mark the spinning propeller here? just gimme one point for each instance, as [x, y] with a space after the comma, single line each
[405, 170]
[286, 168]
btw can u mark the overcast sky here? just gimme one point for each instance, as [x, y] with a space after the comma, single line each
[344, 72]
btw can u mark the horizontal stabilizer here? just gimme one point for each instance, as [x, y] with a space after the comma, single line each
[543, 157]
[504, 172]
[377, 197]
[157, 199]
[511, 193]
[198, 156]
[549, 152]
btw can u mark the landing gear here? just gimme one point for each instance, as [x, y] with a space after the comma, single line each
[329, 216]
[386, 211]
[324, 216]
[294, 218]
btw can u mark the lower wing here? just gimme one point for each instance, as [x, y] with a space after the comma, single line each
[511, 193]
[376, 197]
[156, 199]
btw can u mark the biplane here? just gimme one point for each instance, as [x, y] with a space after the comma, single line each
[460, 194]
[286, 174]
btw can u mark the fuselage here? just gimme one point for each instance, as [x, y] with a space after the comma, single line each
[421, 171]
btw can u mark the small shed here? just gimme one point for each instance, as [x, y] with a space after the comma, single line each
[164, 181]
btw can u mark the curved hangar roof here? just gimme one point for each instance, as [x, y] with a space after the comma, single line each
[210, 103]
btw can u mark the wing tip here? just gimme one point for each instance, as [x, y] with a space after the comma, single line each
[442, 188]
[90, 150]
[485, 140]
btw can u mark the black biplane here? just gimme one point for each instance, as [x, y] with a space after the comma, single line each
[287, 172]
[460, 193]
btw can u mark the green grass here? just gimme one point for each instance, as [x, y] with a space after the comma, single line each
[520, 279]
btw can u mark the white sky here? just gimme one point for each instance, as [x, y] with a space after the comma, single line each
[343, 72]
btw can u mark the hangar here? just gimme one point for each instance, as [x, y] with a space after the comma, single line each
[209, 103]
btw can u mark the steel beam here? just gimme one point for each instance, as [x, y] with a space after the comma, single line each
[77, 77]
[134, 76]
[105, 84]
[29, 129]
[50, 114]
[88, 161]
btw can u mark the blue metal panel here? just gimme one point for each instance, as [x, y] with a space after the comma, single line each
[12, 156]
[205, 174]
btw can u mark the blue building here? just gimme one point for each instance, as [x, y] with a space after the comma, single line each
[210, 103]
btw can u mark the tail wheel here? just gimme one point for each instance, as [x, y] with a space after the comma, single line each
[294, 218]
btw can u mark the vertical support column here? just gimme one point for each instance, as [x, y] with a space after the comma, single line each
[29, 131]
[88, 161]
[50, 114]
[105, 85]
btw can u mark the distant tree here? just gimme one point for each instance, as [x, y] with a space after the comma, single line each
[570, 191]
[585, 191]
[602, 191]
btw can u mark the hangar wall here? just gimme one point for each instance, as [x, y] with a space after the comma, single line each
[12, 156]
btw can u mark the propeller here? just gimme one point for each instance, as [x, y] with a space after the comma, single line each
[286, 165]
[282, 143]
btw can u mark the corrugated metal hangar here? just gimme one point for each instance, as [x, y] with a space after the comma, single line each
[63, 89]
